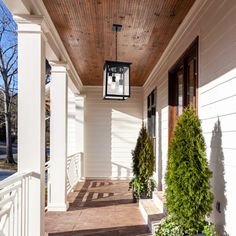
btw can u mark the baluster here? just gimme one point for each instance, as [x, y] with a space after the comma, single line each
[18, 210]
[27, 206]
[8, 222]
[24, 207]
[13, 213]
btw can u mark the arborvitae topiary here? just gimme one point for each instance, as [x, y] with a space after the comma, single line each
[146, 159]
[143, 165]
[136, 152]
[188, 194]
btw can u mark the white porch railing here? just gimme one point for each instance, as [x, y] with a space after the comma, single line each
[75, 168]
[74, 173]
[14, 204]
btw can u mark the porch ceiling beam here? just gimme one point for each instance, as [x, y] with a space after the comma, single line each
[19, 6]
[51, 29]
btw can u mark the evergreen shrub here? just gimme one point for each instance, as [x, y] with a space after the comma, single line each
[143, 166]
[188, 193]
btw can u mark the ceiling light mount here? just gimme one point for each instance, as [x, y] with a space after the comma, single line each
[116, 27]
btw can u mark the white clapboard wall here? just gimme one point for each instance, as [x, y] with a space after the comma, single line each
[215, 24]
[111, 131]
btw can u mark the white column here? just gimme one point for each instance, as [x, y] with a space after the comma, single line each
[71, 132]
[58, 138]
[31, 116]
[79, 101]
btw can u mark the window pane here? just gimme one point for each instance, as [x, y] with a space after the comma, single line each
[149, 104]
[151, 109]
[153, 132]
[180, 77]
[191, 86]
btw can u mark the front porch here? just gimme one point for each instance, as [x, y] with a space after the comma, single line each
[182, 52]
[98, 207]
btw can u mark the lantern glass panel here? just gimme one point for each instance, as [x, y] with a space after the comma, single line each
[126, 82]
[116, 80]
[104, 81]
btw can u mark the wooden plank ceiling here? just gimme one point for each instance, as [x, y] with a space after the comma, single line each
[85, 27]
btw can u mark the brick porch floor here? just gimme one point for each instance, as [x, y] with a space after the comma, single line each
[98, 208]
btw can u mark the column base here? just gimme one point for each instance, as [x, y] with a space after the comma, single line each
[58, 207]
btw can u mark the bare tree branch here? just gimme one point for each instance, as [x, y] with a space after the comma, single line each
[8, 71]
[2, 61]
[6, 50]
[11, 57]
[1, 33]
[13, 63]
[10, 76]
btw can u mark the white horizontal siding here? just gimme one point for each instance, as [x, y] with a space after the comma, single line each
[215, 24]
[111, 131]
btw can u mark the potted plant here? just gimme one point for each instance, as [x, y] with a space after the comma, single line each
[143, 166]
[170, 227]
[188, 193]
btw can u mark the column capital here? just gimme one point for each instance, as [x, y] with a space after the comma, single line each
[80, 96]
[59, 66]
[28, 19]
[58, 63]
[30, 24]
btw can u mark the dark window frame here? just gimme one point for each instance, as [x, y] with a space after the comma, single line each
[151, 117]
[183, 63]
[151, 113]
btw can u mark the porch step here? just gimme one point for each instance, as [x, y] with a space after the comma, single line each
[158, 199]
[151, 214]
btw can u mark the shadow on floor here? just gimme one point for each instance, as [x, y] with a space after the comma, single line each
[136, 230]
[90, 196]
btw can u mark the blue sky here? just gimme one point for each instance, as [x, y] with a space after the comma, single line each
[9, 38]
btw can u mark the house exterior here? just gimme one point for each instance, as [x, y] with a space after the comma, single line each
[215, 95]
[197, 66]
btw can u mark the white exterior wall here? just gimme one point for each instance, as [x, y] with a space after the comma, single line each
[215, 24]
[111, 131]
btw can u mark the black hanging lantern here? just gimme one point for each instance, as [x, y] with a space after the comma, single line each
[116, 78]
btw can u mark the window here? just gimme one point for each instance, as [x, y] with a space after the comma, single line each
[151, 115]
[183, 84]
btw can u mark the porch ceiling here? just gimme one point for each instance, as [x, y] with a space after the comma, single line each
[85, 29]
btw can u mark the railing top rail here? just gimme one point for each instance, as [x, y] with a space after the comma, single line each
[9, 189]
[16, 177]
[75, 154]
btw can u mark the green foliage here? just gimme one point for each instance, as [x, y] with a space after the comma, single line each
[143, 165]
[142, 188]
[188, 195]
[169, 227]
[137, 186]
[210, 230]
[136, 152]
